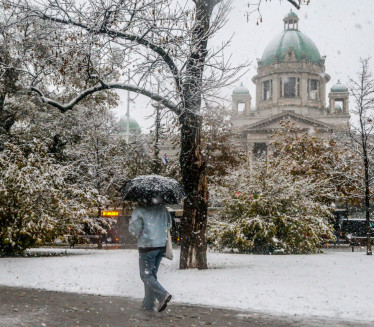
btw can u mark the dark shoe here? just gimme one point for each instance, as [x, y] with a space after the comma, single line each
[148, 308]
[164, 303]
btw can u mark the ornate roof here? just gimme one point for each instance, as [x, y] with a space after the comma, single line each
[266, 123]
[291, 14]
[339, 87]
[241, 89]
[290, 38]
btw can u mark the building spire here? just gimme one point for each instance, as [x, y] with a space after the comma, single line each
[291, 21]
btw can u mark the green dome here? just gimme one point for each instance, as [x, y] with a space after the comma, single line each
[339, 87]
[299, 42]
[241, 90]
[133, 125]
[291, 14]
[291, 37]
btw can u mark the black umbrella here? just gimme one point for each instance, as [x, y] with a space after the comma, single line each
[153, 189]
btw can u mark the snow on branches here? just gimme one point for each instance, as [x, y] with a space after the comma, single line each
[267, 211]
[282, 202]
[37, 200]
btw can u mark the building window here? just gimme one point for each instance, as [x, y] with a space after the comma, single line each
[260, 150]
[290, 87]
[339, 106]
[314, 89]
[241, 107]
[267, 89]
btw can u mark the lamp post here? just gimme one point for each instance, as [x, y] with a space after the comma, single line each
[127, 136]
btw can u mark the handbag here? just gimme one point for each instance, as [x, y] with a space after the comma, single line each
[169, 247]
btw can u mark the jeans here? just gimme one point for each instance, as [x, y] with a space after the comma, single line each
[148, 266]
[337, 235]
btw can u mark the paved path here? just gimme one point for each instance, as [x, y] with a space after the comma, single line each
[31, 307]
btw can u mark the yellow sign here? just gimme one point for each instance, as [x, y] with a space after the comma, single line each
[109, 213]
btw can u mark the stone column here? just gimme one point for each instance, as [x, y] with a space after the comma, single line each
[322, 93]
[258, 93]
[345, 106]
[275, 89]
[304, 89]
[332, 106]
[281, 90]
[247, 107]
[234, 107]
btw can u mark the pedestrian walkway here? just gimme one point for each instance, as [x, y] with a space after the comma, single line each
[31, 307]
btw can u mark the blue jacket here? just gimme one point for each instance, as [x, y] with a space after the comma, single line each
[149, 224]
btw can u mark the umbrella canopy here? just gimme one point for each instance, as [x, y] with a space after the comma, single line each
[153, 189]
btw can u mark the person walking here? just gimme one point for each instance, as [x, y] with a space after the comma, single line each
[149, 224]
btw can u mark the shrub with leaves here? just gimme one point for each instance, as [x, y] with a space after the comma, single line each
[324, 161]
[37, 201]
[269, 211]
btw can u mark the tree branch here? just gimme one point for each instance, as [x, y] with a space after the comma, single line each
[112, 33]
[294, 3]
[121, 86]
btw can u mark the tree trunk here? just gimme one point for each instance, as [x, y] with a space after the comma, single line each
[193, 167]
[367, 206]
[7, 120]
[194, 220]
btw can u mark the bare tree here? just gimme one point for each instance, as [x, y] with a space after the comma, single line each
[361, 135]
[71, 50]
[254, 7]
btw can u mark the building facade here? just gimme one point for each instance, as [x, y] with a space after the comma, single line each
[290, 85]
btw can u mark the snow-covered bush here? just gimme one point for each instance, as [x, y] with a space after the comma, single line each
[324, 161]
[38, 201]
[279, 232]
[269, 212]
[280, 202]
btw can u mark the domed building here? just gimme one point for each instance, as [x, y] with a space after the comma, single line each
[241, 95]
[134, 128]
[290, 84]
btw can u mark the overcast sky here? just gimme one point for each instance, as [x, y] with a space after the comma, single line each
[343, 30]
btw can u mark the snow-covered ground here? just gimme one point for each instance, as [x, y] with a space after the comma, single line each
[333, 284]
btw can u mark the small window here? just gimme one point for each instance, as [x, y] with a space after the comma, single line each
[259, 150]
[241, 107]
[313, 89]
[339, 106]
[291, 87]
[267, 87]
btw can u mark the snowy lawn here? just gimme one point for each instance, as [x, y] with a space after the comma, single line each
[334, 284]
